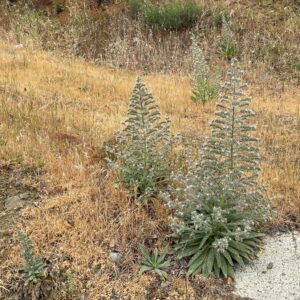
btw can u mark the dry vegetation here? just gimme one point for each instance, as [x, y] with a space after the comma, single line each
[266, 35]
[57, 113]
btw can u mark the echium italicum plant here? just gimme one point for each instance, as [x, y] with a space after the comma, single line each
[141, 155]
[227, 47]
[205, 86]
[34, 269]
[219, 202]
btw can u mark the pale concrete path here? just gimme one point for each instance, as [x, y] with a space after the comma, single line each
[275, 275]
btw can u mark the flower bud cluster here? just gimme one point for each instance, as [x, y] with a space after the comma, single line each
[221, 244]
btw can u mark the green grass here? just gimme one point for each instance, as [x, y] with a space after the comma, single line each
[173, 15]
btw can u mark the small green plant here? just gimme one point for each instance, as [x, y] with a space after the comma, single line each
[205, 86]
[218, 202]
[172, 15]
[227, 47]
[59, 8]
[141, 155]
[152, 14]
[34, 268]
[295, 65]
[154, 262]
[70, 282]
[218, 16]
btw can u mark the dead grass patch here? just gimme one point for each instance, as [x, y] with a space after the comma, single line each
[58, 112]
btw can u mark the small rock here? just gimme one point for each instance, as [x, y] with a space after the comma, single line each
[24, 196]
[165, 284]
[284, 228]
[19, 46]
[14, 203]
[82, 297]
[270, 266]
[115, 256]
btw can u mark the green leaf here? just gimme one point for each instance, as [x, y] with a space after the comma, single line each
[224, 265]
[161, 273]
[205, 271]
[242, 247]
[165, 264]
[186, 238]
[235, 255]
[230, 271]
[145, 269]
[218, 259]
[187, 252]
[210, 260]
[144, 252]
[216, 269]
[251, 243]
[155, 253]
[245, 255]
[255, 235]
[198, 255]
[204, 240]
[195, 264]
[228, 257]
[163, 255]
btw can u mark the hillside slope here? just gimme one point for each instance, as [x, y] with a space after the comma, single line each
[57, 114]
[265, 34]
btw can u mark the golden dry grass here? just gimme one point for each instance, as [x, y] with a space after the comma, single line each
[57, 113]
[266, 33]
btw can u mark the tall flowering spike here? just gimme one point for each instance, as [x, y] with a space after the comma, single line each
[231, 155]
[231, 143]
[205, 87]
[227, 34]
[142, 149]
[144, 122]
[201, 68]
[228, 48]
[218, 202]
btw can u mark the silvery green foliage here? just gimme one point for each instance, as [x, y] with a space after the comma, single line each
[154, 262]
[218, 202]
[141, 154]
[205, 87]
[34, 268]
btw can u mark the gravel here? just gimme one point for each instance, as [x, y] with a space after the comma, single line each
[275, 275]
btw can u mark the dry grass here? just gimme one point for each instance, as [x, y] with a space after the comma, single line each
[56, 113]
[266, 34]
